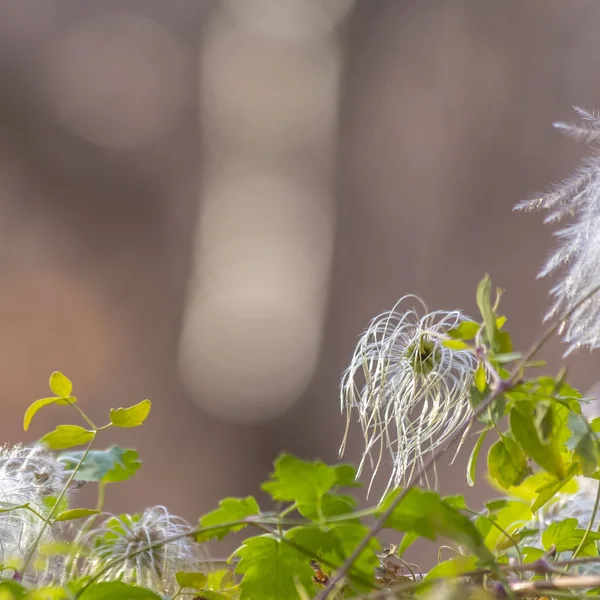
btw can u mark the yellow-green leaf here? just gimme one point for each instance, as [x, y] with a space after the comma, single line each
[480, 379]
[60, 385]
[76, 513]
[67, 436]
[455, 344]
[33, 409]
[132, 416]
[195, 581]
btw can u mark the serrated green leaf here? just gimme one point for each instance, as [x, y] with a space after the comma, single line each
[107, 466]
[76, 513]
[566, 536]
[60, 385]
[67, 436]
[472, 464]
[334, 543]
[193, 580]
[467, 330]
[507, 464]
[116, 590]
[230, 510]
[271, 570]
[305, 483]
[526, 434]
[39, 404]
[132, 416]
[428, 515]
[455, 345]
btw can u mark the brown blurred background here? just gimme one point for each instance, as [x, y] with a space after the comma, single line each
[204, 203]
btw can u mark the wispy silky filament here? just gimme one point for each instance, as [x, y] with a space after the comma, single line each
[409, 391]
[577, 256]
[29, 476]
[136, 549]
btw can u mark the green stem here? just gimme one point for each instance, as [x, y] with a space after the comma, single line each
[499, 528]
[590, 524]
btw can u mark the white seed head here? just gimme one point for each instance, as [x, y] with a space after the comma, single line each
[128, 539]
[577, 257]
[409, 391]
[31, 476]
[580, 506]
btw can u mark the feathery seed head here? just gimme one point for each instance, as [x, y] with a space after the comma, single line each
[29, 476]
[129, 538]
[578, 254]
[410, 392]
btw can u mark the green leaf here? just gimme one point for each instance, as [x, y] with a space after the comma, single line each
[472, 464]
[132, 416]
[467, 330]
[76, 513]
[480, 378]
[39, 404]
[507, 357]
[49, 593]
[49, 502]
[453, 567]
[305, 483]
[60, 385]
[455, 345]
[408, 539]
[548, 490]
[334, 543]
[11, 589]
[67, 436]
[107, 466]
[525, 432]
[428, 515]
[230, 509]
[566, 535]
[271, 569]
[584, 442]
[196, 581]
[507, 464]
[494, 412]
[116, 590]
[484, 303]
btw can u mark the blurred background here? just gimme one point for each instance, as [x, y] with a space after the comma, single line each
[204, 202]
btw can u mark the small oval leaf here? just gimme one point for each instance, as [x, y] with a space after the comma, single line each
[132, 416]
[60, 384]
[76, 513]
[455, 344]
[33, 408]
[67, 436]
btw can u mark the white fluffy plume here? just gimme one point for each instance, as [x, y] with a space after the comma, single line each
[577, 257]
[409, 391]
